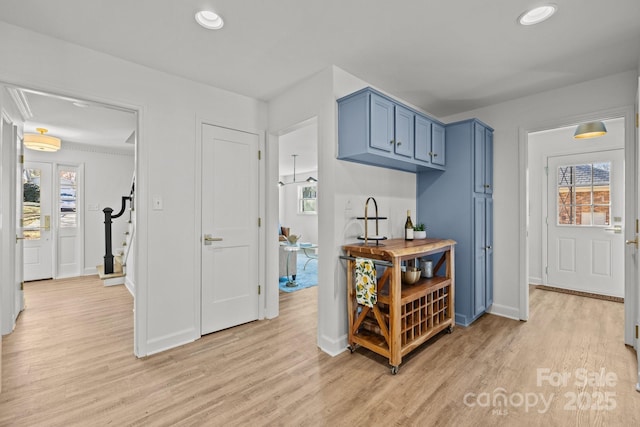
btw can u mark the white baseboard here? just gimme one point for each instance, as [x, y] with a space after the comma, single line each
[333, 347]
[505, 311]
[90, 271]
[131, 287]
[114, 281]
[535, 281]
[170, 341]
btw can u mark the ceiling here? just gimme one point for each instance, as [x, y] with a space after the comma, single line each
[442, 56]
[77, 121]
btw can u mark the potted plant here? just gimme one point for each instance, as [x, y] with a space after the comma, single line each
[419, 231]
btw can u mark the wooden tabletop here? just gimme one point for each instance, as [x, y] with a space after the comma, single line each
[394, 248]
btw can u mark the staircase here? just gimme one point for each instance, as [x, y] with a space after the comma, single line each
[114, 270]
[120, 257]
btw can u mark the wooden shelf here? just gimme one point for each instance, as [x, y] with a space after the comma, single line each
[411, 292]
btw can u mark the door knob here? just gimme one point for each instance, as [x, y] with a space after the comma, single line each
[633, 242]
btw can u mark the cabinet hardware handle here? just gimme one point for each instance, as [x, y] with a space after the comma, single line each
[488, 247]
[487, 186]
[399, 143]
[391, 142]
[435, 154]
[431, 153]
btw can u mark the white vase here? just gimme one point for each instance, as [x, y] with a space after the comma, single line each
[419, 234]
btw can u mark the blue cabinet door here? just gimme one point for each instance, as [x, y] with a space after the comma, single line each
[478, 158]
[488, 161]
[381, 122]
[479, 251]
[437, 144]
[423, 139]
[404, 132]
[489, 253]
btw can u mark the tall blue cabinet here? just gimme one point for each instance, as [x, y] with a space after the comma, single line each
[457, 203]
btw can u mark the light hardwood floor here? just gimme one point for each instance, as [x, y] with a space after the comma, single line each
[70, 362]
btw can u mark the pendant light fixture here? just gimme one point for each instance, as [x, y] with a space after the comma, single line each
[590, 130]
[41, 142]
[309, 180]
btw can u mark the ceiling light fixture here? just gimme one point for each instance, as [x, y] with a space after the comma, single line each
[590, 130]
[41, 142]
[209, 20]
[309, 180]
[537, 14]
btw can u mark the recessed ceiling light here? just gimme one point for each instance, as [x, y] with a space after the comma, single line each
[537, 14]
[209, 20]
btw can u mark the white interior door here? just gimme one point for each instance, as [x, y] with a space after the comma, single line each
[585, 235]
[37, 221]
[68, 220]
[230, 213]
[19, 249]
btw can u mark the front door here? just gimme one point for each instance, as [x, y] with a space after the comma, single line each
[37, 221]
[585, 236]
[230, 212]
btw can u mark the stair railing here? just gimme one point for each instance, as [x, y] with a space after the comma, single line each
[108, 217]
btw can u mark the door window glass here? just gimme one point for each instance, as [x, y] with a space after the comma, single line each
[584, 194]
[68, 201]
[31, 204]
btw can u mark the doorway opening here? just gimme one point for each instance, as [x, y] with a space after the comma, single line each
[573, 205]
[577, 199]
[298, 208]
[59, 195]
[92, 170]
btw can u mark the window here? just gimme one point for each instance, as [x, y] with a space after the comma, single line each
[68, 202]
[584, 194]
[31, 203]
[307, 199]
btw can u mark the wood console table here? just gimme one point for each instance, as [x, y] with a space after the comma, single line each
[405, 315]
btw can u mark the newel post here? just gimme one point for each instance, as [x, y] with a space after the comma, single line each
[108, 253]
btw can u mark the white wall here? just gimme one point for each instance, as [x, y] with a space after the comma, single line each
[9, 284]
[300, 224]
[343, 188]
[536, 112]
[553, 143]
[107, 177]
[167, 283]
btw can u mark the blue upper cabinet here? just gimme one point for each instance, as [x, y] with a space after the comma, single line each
[376, 130]
[488, 161]
[437, 144]
[382, 123]
[483, 159]
[403, 143]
